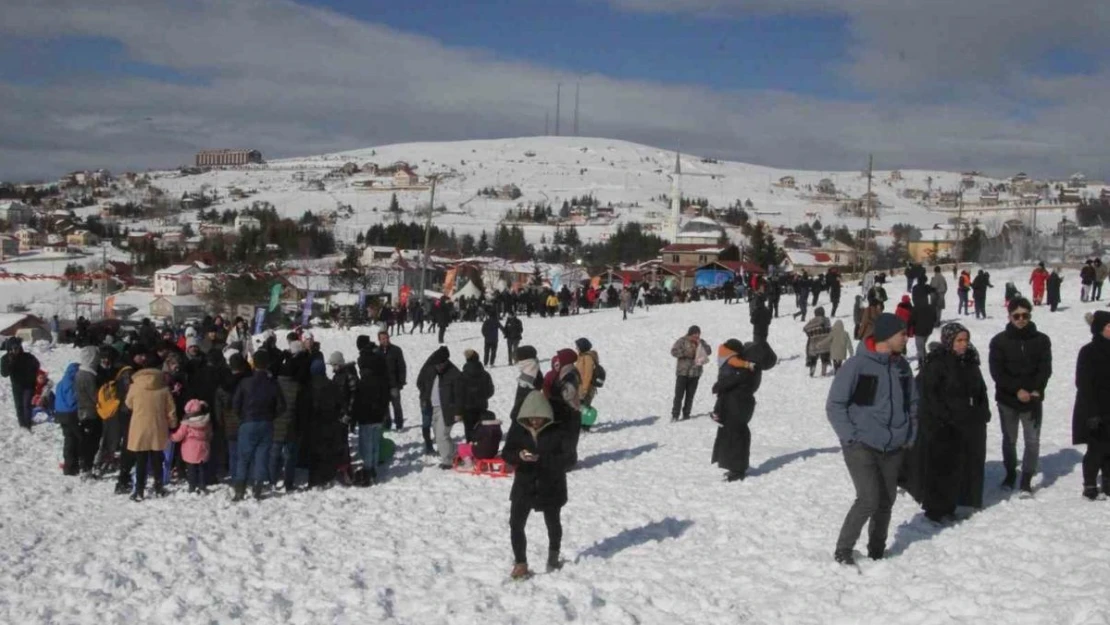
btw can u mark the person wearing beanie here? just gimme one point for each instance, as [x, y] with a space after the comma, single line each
[923, 318]
[1089, 424]
[539, 449]
[872, 407]
[194, 436]
[514, 333]
[441, 388]
[477, 388]
[257, 400]
[737, 382]
[817, 341]
[947, 461]
[691, 354]
[22, 368]
[561, 388]
[1021, 365]
[1052, 289]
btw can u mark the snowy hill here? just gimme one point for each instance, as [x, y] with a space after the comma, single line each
[652, 534]
[553, 169]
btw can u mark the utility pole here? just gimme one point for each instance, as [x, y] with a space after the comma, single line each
[546, 123]
[558, 100]
[576, 85]
[435, 178]
[959, 230]
[103, 281]
[867, 235]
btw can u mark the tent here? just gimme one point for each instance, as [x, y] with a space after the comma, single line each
[469, 291]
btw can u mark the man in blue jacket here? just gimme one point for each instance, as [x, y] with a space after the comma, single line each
[872, 406]
[257, 401]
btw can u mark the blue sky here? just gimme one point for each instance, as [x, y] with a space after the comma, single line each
[793, 83]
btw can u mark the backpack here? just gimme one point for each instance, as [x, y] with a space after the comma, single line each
[599, 376]
[65, 394]
[107, 396]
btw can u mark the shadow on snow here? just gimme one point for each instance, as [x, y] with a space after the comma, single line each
[773, 464]
[656, 531]
[613, 456]
[617, 426]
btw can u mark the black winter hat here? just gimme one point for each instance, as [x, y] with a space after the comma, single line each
[261, 360]
[440, 356]
[693, 330]
[886, 326]
[1099, 321]
[735, 346]
[526, 352]
[583, 344]
[362, 342]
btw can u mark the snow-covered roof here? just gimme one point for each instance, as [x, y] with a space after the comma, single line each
[181, 300]
[174, 270]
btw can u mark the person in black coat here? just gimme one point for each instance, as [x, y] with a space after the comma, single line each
[514, 333]
[22, 369]
[476, 388]
[979, 287]
[397, 376]
[425, 380]
[441, 316]
[1090, 418]
[737, 381]
[761, 319]
[1053, 289]
[541, 453]
[950, 453]
[445, 396]
[923, 319]
[1021, 364]
[372, 409]
[491, 333]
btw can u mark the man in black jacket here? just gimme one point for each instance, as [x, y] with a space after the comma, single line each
[476, 388]
[1021, 364]
[397, 376]
[491, 332]
[979, 287]
[424, 382]
[373, 408]
[444, 398]
[514, 332]
[22, 369]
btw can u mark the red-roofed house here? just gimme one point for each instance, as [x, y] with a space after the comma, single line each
[690, 255]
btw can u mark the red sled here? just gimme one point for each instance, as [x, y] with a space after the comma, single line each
[465, 462]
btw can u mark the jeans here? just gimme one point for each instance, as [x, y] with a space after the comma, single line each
[283, 463]
[512, 345]
[961, 308]
[684, 387]
[1096, 291]
[22, 398]
[518, 519]
[442, 428]
[489, 354]
[233, 461]
[255, 438]
[1011, 418]
[875, 477]
[195, 474]
[369, 444]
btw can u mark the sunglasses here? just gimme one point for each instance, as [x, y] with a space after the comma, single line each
[1021, 316]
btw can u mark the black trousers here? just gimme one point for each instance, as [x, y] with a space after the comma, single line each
[684, 387]
[512, 345]
[81, 441]
[518, 519]
[442, 329]
[835, 303]
[489, 354]
[1097, 459]
[143, 460]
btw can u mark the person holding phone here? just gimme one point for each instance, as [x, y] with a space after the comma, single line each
[540, 451]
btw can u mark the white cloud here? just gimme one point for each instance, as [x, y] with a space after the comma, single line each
[293, 80]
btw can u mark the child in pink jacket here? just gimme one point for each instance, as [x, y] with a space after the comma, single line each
[194, 436]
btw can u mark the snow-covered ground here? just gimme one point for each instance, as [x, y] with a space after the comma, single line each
[652, 533]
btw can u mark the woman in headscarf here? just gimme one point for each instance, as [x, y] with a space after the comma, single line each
[953, 412]
[737, 381]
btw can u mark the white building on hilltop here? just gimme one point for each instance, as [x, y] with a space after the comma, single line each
[174, 280]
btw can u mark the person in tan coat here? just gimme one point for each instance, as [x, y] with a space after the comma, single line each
[153, 414]
[586, 364]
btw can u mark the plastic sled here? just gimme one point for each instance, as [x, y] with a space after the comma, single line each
[465, 462]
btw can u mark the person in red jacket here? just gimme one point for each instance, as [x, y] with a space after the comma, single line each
[904, 311]
[1038, 279]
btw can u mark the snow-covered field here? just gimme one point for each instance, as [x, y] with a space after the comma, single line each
[652, 533]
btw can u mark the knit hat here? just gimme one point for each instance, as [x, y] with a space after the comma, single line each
[886, 326]
[693, 330]
[819, 311]
[336, 359]
[237, 363]
[526, 352]
[195, 406]
[191, 342]
[296, 347]
[583, 344]
[190, 331]
[307, 336]
[950, 331]
[439, 356]
[1099, 321]
[362, 342]
[734, 346]
[261, 360]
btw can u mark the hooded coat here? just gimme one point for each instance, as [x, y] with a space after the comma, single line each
[817, 336]
[86, 383]
[542, 484]
[529, 380]
[153, 412]
[561, 385]
[840, 344]
[426, 378]
[685, 352]
[924, 317]
[372, 405]
[194, 435]
[735, 390]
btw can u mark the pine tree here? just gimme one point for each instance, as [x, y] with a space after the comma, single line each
[394, 205]
[483, 242]
[764, 252]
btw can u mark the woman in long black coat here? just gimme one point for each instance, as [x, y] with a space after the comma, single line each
[541, 452]
[738, 378]
[953, 414]
[1090, 419]
[1054, 281]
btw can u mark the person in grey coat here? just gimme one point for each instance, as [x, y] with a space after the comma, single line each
[691, 354]
[88, 421]
[872, 407]
[840, 345]
[940, 289]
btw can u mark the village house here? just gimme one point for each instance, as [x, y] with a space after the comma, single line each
[14, 212]
[9, 246]
[949, 198]
[810, 261]
[690, 254]
[55, 243]
[227, 158]
[842, 254]
[29, 239]
[171, 241]
[896, 175]
[174, 280]
[1077, 181]
[936, 244]
[826, 187]
[405, 178]
[246, 221]
[787, 182]
[1070, 195]
[178, 308]
[82, 238]
[988, 199]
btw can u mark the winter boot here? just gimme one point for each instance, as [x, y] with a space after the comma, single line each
[429, 450]
[1010, 480]
[256, 490]
[1027, 483]
[1090, 492]
[734, 476]
[553, 561]
[520, 571]
[159, 490]
[824, 369]
[123, 488]
[811, 370]
[876, 553]
[845, 557]
[137, 496]
[240, 490]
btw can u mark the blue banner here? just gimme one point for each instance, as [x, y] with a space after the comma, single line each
[307, 309]
[259, 317]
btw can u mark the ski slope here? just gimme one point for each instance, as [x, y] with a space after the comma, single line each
[652, 533]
